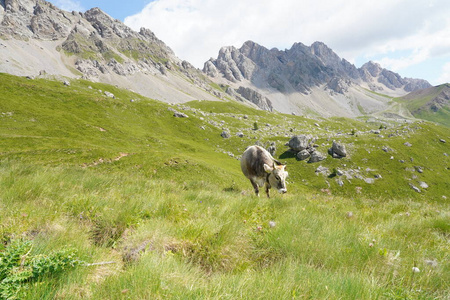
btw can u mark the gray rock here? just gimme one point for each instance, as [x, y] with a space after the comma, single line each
[369, 180]
[272, 149]
[316, 156]
[442, 141]
[210, 69]
[255, 97]
[408, 144]
[178, 114]
[322, 170]
[419, 169]
[240, 134]
[338, 150]
[423, 185]
[109, 95]
[415, 188]
[304, 154]
[299, 142]
[225, 134]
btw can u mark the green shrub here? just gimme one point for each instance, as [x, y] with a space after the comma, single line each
[19, 267]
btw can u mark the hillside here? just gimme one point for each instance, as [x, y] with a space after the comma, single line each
[161, 204]
[432, 104]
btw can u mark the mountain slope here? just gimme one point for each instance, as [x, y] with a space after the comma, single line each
[40, 39]
[431, 104]
[147, 205]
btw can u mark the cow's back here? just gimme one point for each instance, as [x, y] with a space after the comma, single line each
[253, 160]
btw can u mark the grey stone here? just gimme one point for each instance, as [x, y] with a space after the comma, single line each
[299, 142]
[304, 154]
[109, 95]
[423, 185]
[322, 170]
[316, 156]
[272, 149]
[415, 188]
[178, 114]
[225, 134]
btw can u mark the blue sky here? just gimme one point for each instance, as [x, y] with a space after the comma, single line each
[116, 9]
[410, 37]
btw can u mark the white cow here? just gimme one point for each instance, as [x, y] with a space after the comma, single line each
[262, 169]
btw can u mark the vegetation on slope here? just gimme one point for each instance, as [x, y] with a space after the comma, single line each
[430, 104]
[163, 198]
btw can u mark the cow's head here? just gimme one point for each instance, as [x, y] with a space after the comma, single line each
[277, 176]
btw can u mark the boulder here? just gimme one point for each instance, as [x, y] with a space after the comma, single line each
[225, 134]
[337, 150]
[178, 114]
[304, 154]
[109, 95]
[272, 148]
[299, 142]
[316, 156]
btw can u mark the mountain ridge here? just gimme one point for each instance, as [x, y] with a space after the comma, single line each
[39, 38]
[303, 67]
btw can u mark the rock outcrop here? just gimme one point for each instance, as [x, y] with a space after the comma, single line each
[256, 98]
[301, 68]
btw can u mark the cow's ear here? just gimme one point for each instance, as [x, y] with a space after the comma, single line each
[268, 168]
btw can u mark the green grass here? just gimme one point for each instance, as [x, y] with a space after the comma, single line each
[161, 198]
[418, 108]
[442, 116]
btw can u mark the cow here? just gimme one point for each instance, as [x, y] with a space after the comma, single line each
[261, 169]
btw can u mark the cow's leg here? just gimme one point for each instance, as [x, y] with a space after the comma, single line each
[267, 190]
[255, 186]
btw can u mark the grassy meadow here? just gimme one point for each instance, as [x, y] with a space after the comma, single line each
[106, 198]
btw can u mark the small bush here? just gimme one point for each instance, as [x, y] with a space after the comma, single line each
[18, 267]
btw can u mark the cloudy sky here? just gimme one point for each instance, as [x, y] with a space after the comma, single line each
[410, 37]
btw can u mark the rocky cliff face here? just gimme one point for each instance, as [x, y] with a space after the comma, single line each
[301, 68]
[99, 47]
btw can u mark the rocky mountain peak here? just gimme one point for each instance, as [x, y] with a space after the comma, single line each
[106, 26]
[302, 68]
[373, 68]
[25, 19]
[321, 50]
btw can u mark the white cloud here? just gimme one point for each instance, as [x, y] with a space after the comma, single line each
[69, 5]
[197, 29]
[445, 75]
